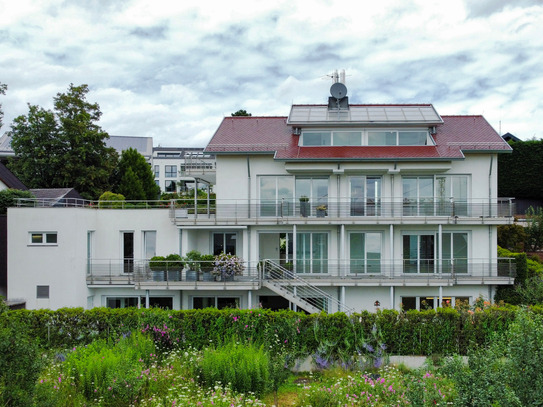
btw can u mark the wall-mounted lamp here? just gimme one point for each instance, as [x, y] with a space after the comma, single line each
[377, 303]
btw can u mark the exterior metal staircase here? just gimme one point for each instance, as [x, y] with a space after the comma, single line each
[298, 291]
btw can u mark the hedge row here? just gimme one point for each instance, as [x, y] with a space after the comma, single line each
[445, 331]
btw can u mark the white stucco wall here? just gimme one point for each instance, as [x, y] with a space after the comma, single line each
[63, 266]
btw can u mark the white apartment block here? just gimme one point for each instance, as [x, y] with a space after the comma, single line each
[336, 207]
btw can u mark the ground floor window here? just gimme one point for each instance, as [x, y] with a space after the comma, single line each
[274, 302]
[427, 302]
[125, 302]
[215, 302]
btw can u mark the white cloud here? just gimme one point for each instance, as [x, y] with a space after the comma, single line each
[172, 69]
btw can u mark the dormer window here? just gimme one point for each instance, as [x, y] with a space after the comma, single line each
[314, 138]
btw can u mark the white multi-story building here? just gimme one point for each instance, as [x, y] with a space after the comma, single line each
[335, 207]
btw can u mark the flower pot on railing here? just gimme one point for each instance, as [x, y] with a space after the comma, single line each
[305, 209]
[321, 211]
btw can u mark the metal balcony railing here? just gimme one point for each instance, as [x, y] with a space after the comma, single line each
[129, 271]
[289, 208]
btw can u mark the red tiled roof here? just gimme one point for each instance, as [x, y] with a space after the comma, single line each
[457, 134]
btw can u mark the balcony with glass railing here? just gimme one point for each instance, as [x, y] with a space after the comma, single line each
[337, 209]
[323, 271]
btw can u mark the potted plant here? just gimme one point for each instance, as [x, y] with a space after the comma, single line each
[192, 261]
[207, 264]
[157, 264]
[304, 206]
[227, 266]
[174, 266]
[321, 211]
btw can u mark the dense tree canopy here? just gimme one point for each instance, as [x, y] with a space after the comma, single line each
[64, 148]
[520, 174]
[241, 112]
[135, 179]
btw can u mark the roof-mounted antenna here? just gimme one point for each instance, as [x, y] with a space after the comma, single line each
[339, 99]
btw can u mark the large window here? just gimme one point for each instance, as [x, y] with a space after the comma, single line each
[149, 243]
[157, 171]
[128, 251]
[443, 195]
[390, 137]
[418, 196]
[418, 253]
[170, 171]
[276, 193]
[312, 252]
[365, 196]
[315, 189]
[455, 252]
[365, 252]
[397, 138]
[215, 302]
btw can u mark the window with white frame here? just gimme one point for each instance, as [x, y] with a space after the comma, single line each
[157, 171]
[43, 238]
[312, 252]
[440, 195]
[170, 171]
[385, 137]
[365, 195]
[365, 252]
[218, 302]
[276, 195]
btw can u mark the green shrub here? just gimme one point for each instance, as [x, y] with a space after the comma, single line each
[245, 368]
[524, 351]
[111, 200]
[20, 365]
[9, 196]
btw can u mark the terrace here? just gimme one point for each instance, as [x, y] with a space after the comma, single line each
[216, 211]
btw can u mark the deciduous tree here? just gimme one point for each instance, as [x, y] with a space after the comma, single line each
[3, 88]
[64, 148]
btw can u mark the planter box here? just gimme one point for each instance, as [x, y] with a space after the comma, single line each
[192, 275]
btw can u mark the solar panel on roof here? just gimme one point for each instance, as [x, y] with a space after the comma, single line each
[364, 114]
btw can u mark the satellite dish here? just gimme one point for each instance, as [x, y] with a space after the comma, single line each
[338, 90]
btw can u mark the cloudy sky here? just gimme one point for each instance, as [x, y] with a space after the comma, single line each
[173, 69]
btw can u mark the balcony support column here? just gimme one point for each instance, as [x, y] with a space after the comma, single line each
[146, 298]
[391, 297]
[249, 299]
[439, 249]
[392, 266]
[342, 300]
[342, 260]
[440, 301]
[294, 248]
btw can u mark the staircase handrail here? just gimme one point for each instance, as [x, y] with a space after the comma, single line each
[277, 272]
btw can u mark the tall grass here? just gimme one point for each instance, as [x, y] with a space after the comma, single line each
[245, 368]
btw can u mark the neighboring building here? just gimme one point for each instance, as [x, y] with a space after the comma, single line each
[57, 197]
[9, 180]
[509, 137]
[370, 206]
[143, 145]
[175, 168]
